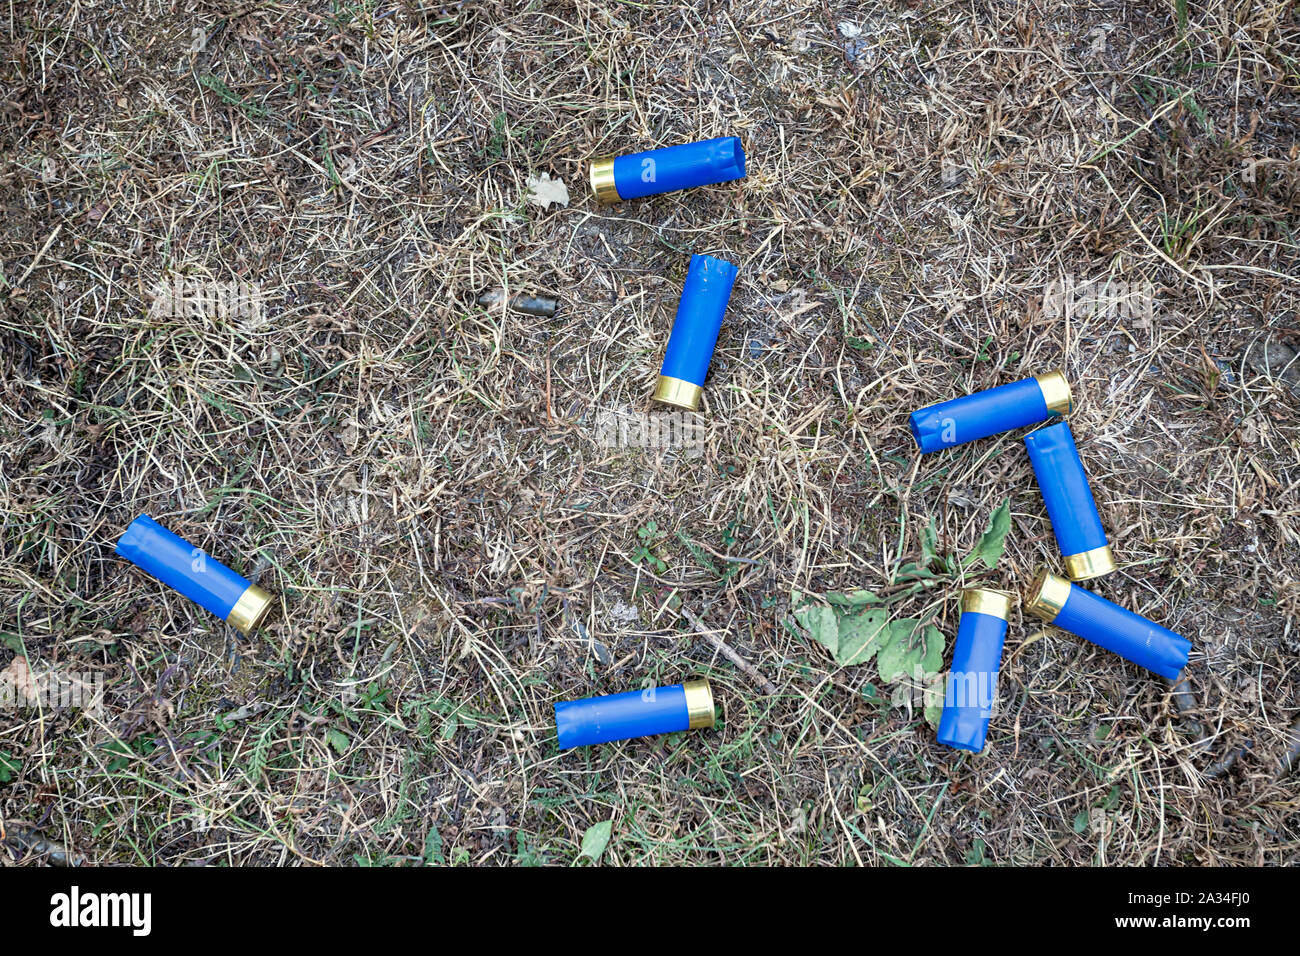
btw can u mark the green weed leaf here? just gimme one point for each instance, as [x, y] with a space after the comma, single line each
[338, 740]
[859, 636]
[9, 766]
[889, 662]
[913, 572]
[932, 661]
[433, 853]
[989, 550]
[896, 647]
[934, 694]
[595, 840]
[929, 545]
[852, 598]
[449, 727]
[821, 623]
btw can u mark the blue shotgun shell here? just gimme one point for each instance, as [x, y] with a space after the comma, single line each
[1070, 505]
[638, 713]
[1120, 631]
[615, 178]
[973, 681]
[695, 331]
[195, 574]
[994, 410]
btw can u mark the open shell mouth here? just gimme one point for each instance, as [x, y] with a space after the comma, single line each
[738, 155]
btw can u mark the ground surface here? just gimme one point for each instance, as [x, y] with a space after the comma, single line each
[422, 478]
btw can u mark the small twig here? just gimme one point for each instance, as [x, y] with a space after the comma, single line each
[1220, 767]
[40, 255]
[1185, 702]
[1291, 758]
[727, 651]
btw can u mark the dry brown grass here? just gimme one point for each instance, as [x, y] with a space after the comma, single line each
[418, 476]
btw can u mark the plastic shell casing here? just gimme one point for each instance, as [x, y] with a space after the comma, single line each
[972, 682]
[990, 412]
[638, 713]
[193, 573]
[1070, 505]
[672, 168]
[695, 331]
[1106, 624]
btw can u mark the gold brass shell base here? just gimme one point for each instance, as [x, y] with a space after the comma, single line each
[699, 703]
[601, 176]
[1056, 392]
[679, 393]
[1047, 595]
[986, 601]
[1090, 564]
[250, 610]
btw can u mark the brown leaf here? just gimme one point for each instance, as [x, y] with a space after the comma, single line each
[20, 676]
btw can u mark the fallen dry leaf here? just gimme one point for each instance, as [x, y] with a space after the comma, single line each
[543, 190]
[20, 676]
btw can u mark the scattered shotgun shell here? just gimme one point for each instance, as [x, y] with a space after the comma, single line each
[994, 410]
[528, 304]
[638, 713]
[615, 178]
[695, 331]
[1070, 505]
[199, 577]
[1131, 636]
[973, 680]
